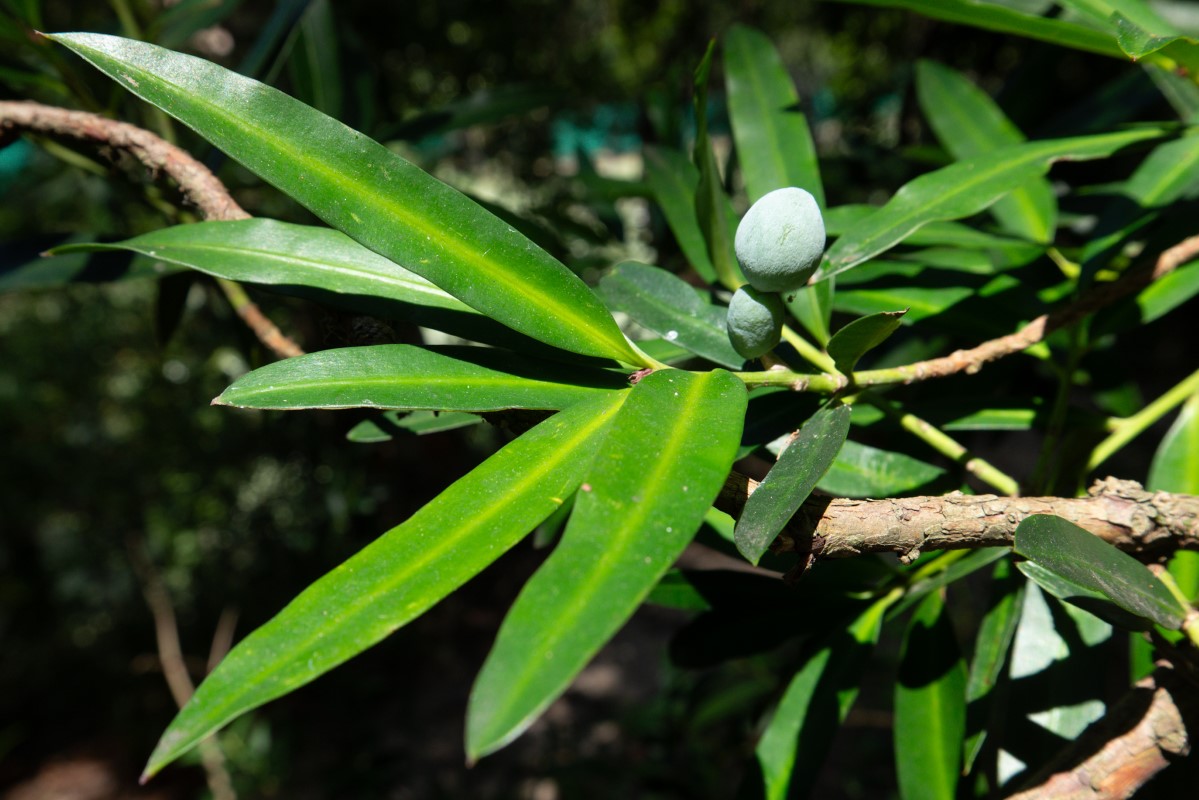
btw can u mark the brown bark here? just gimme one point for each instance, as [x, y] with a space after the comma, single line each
[1130, 745]
[1145, 524]
[196, 182]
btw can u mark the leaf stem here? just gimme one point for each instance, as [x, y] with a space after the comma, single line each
[809, 352]
[1129, 428]
[946, 445]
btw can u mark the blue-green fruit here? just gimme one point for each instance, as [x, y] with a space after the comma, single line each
[755, 321]
[780, 240]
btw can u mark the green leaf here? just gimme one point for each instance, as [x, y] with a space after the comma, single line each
[264, 251]
[1079, 567]
[671, 308]
[996, 633]
[965, 188]
[991, 16]
[404, 376]
[930, 705]
[774, 145]
[968, 123]
[958, 569]
[712, 206]
[314, 65]
[863, 471]
[673, 181]
[654, 478]
[860, 336]
[400, 575]
[1175, 466]
[920, 303]
[363, 189]
[816, 702]
[790, 481]
[813, 307]
[1152, 303]
[384, 427]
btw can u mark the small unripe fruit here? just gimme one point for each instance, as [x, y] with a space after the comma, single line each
[755, 321]
[780, 240]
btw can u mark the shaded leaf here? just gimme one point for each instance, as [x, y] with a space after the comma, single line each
[813, 307]
[712, 206]
[654, 478]
[384, 427]
[965, 188]
[930, 705]
[363, 189]
[315, 64]
[816, 702]
[1081, 568]
[774, 145]
[790, 481]
[968, 123]
[860, 336]
[673, 181]
[996, 633]
[961, 568]
[1175, 468]
[401, 574]
[671, 308]
[404, 376]
[863, 471]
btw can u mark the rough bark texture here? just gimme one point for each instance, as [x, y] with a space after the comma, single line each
[1145, 524]
[1120, 753]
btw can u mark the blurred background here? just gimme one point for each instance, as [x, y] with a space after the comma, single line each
[126, 500]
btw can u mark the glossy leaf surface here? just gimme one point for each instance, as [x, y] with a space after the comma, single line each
[373, 195]
[864, 471]
[1077, 566]
[673, 180]
[930, 705]
[641, 502]
[790, 481]
[671, 308]
[397, 577]
[969, 123]
[965, 188]
[404, 376]
[861, 336]
[268, 252]
[774, 145]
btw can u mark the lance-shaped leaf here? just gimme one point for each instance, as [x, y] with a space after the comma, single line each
[363, 189]
[996, 633]
[861, 336]
[965, 188]
[1077, 566]
[272, 253]
[930, 705]
[671, 308]
[790, 481]
[404, 376]
[774, 145]
[968, 123]
[672, 180]
[641, 502]
[816, 702]
[813, 307]
[864, 471]
[397, 577]
[712, 206]
[995, 17]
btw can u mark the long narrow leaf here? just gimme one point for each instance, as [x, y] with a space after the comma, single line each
[672, 179]
[400, 575]
[404, 376]
[370, 193]
[965, 188]
[968, 123]
[661, 466]
[712, 206]
[930, 706]
[774, 145]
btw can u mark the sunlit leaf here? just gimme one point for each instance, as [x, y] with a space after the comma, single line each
[408, 377]
[368, 192]
[774, 144]
[712, 206]
[400, 575]
[654, 478]
[863, 471]
[860, 336]
[673, 181]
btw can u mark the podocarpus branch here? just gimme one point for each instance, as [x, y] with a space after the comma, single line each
[1145, 524]
[196, 182]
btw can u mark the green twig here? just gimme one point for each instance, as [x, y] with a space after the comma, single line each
[1129, 428]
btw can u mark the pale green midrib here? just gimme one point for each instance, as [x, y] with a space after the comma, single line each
[978, 178]
[569, 613]
[531, 479]
[418, 284]
[464, 254]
